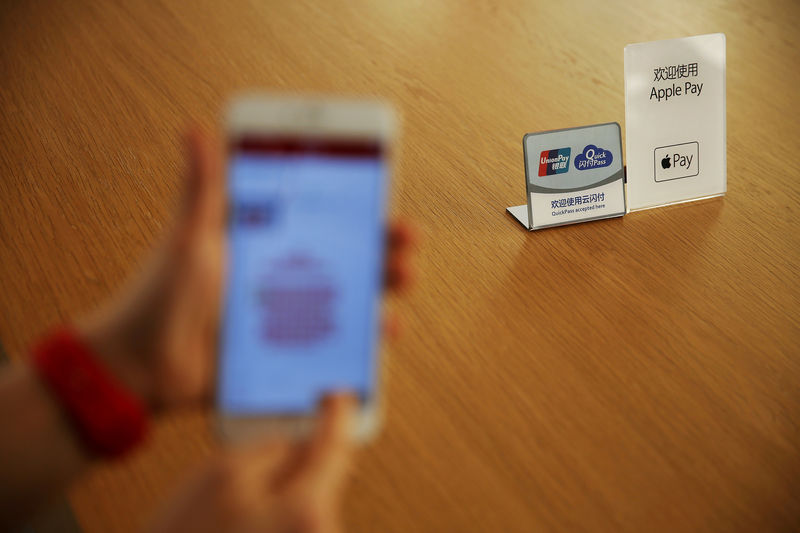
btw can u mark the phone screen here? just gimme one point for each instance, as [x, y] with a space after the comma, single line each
[304, 273]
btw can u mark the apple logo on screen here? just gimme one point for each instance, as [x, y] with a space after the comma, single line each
[665, 162]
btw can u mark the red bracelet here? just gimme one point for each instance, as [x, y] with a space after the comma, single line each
[109, 419]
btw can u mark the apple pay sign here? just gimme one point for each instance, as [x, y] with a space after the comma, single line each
[674, 114]
[676, 161]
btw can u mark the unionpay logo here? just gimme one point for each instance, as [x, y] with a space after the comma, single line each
[554, 161]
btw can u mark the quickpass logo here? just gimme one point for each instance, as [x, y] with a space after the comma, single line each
[554, 161]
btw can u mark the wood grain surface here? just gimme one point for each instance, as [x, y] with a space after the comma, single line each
[637, 374]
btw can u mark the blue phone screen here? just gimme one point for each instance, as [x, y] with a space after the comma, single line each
[304, 274]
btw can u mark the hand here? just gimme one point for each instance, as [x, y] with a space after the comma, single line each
[273, 487]
[158, 336]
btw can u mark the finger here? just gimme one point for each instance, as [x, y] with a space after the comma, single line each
[198, 255]
[192, 179]
[398, 274]
[400, 238]
[205, 199]
[391, 326]
[327, 454]
[400, 235]
[209, 221]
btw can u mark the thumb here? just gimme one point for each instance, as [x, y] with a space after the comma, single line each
[204, 197]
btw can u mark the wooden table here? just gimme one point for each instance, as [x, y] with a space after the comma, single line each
[636, 374]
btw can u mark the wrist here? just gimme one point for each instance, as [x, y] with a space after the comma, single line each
[110, 349]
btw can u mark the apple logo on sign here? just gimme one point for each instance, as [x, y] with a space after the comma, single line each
[665, 162]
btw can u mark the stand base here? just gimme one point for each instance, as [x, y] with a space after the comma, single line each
[520, 212]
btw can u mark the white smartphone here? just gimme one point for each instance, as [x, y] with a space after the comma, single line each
[307, 188]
